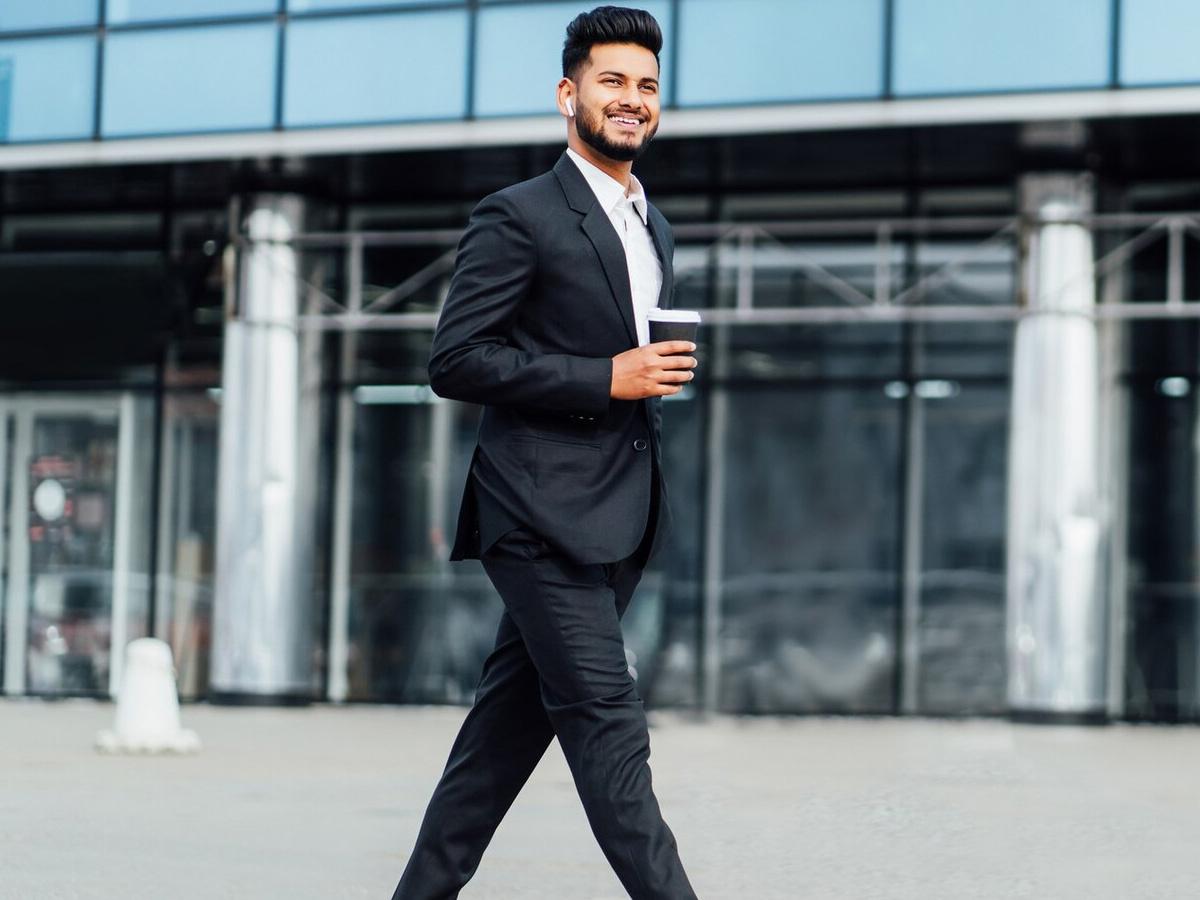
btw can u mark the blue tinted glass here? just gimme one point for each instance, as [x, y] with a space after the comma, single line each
[985, 45]
[121, 11]
[779, 50]
[5, 95]
[384, 68]
[48, 87]
[1158, 41]
[518, 59]
[189, 79]
[18, 14]
[302, 6]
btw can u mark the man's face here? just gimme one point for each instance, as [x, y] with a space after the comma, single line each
[616, 100]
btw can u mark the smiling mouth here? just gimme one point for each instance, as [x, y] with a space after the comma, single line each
[628, 123]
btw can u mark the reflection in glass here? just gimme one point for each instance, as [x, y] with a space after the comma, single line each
[519, 56]
[980, 45]
[778, 50]
[809, 597]
[813, 352]
[189, 79]
[78, 546]
[965, 273]
[406, 278]
[662, 623]
[420, 626]
[118, 12]
[1158, 41]
[340, 71]
[16, 16]
[1162, 671]
[961, 633]
[71, 531]
[969, 271]
[187, 534]
[48, 88]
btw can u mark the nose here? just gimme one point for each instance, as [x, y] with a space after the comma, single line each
[631, 97]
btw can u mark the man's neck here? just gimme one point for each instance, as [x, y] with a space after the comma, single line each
[617, 170]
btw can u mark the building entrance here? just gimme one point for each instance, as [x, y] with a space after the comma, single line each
[68, 501]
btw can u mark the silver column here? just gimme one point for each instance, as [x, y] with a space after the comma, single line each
[1057, 528]
[266, 491]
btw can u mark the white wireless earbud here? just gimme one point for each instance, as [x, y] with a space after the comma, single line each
[570, 108]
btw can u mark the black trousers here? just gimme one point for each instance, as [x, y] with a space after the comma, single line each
[558, 668]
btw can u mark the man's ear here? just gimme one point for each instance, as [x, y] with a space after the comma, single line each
[563, 91]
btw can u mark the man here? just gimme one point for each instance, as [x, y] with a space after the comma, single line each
[545, 325]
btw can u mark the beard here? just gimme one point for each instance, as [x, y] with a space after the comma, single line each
[589, 125]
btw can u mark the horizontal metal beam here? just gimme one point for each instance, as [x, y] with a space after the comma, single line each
[812, 315]
[960, 226]
[1135, 232]
[549, 129]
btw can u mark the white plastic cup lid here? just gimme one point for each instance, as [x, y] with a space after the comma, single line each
[673, 315]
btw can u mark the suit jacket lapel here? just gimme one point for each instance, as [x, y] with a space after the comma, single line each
[658, 228]
[599, 229]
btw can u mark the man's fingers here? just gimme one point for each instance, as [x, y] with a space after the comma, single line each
[677, 362]
[677, 375]
[666, 348]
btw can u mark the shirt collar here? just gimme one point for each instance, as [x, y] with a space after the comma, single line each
[608, 190]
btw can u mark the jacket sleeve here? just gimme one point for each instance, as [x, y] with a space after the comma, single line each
[471, 358]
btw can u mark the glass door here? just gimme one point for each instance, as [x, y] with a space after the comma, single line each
[68, 526]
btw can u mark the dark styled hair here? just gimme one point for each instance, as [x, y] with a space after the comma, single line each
[608, 25]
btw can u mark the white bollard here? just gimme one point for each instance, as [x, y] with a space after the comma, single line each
[148, 705]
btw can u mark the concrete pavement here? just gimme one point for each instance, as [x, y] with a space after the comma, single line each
[325, 802]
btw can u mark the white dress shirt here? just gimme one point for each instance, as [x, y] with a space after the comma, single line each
[629, 216]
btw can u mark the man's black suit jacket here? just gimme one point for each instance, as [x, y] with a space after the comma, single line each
[538, 305]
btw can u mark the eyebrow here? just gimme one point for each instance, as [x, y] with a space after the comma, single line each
[623, 75]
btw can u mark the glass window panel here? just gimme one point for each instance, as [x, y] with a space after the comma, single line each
[58, 14]
[962, 616]
[82, 544]
[966, 273]
[762, 50]
[419, 629]
[784, 273]
[1158, 41]
[1162, 638]
[303, 6]
[662, 623]
[47, 88]
[962, 349]
[981, 45]
[809, 596]
[71, 554]
[120, 11]
[186, 571]
[519, 55]
[186, 80]
[347, 70]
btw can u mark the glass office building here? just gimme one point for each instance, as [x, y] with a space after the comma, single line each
[941, 456]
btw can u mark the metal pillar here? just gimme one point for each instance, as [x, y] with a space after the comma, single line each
[263, 608]
[1057, 523]
[716, 436]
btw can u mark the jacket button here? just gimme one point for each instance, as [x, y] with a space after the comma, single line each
[639, 444]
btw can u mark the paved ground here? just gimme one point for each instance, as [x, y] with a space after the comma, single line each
[325, 802]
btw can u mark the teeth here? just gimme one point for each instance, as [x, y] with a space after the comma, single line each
[626, 121]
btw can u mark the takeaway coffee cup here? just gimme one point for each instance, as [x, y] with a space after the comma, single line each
[673, 325]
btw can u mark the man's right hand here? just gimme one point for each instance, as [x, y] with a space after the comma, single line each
[651, 371]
